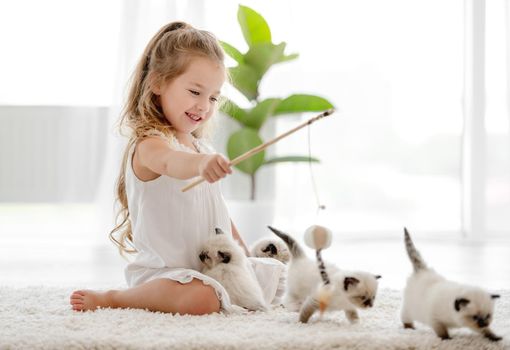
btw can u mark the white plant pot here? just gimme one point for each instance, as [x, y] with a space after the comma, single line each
[251, 218]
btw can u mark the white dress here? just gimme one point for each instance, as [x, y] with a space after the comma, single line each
[169, 227]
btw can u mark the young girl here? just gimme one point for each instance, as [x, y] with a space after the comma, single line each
[174, 92]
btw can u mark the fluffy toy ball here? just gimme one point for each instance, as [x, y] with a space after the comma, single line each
[318, 237]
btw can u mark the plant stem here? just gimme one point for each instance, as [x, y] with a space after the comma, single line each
[253, 187]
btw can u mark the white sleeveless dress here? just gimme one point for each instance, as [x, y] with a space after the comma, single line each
[169, 227]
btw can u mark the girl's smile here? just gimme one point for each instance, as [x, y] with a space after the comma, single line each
[194, 117]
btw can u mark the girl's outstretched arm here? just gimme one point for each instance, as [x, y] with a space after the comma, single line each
[154, 157]
[239, 239]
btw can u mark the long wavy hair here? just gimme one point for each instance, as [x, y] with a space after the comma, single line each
[166, 57]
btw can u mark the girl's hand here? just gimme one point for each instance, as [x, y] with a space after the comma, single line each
[214, 167]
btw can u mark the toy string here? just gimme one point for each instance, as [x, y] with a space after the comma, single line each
[320, 262]
[314, 185]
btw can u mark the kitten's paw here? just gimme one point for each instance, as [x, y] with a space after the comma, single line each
[308, 309]
[237, 310]
[257, 306]
[352, 316]
[492, 337]
[441, 331]
[278, 306]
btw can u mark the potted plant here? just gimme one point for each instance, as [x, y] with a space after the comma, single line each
[246, 77]
[251, 67]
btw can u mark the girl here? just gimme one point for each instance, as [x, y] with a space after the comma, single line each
[174, 92]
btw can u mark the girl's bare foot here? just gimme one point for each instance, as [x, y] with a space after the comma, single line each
[83, 300]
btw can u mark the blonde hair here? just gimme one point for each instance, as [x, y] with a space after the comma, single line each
[166, 57]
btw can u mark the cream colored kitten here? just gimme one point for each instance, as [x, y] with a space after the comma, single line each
[442, 304]
[224, 260]
[350, 289]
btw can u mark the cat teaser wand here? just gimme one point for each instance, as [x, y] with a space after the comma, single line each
[263, 146]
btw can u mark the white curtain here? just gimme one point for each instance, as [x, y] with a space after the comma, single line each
[497, 117]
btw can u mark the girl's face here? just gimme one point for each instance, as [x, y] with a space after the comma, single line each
[189, 100]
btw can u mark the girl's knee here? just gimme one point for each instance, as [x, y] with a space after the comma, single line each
[202, 300]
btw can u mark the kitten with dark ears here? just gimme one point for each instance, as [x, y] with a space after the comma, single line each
[350, 290]
[442, 304]
[224, 260]
[270, 248]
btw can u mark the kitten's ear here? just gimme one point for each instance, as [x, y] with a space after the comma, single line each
[218, 231]
[460, 303]
[495, 296]
[377, 277]
[270, 248]
[202, 256]
[350, 281]
[225, 257]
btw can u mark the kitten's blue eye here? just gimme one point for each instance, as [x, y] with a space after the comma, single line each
[475, 318]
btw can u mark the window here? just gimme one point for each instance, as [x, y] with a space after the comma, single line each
[59, 52]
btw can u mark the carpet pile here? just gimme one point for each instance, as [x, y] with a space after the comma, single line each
[40, 318]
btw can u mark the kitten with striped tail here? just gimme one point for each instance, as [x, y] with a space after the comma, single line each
[349, 290]
[442, 304]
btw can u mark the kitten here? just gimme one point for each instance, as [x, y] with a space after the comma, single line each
[442, 304]
[349, 290]
[224, 260]
[270, 248]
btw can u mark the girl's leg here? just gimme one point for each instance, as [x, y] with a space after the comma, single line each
[165, 295]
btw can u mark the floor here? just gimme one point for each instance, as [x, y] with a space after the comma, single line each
[78, 263]
[66, 246]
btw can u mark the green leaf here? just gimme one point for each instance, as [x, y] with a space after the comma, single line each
[291, 159]
[262, 56]
[254, 26]
[232, 52]
[302, 103]
[234, 111]
[257, 116]
[290, 57]
[246, 80]
[242, 141]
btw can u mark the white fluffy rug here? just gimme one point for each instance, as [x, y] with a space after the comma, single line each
[40, 318]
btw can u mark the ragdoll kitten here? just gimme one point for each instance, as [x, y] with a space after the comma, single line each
[270, 248]
[349, 290]
[224, 260]
[442, 304]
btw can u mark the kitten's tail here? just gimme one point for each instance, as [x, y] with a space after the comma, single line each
[412, 252]
[294, 247]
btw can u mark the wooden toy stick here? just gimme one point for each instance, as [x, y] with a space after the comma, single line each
[263, 146]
